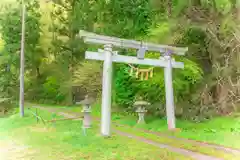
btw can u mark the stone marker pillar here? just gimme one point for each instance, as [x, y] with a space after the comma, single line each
[87, 121]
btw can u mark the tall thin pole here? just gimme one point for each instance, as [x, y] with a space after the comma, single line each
[21, 100]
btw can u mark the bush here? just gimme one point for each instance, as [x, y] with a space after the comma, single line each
[5, 105]
[153, 90]
[124, 90]
[44, 90]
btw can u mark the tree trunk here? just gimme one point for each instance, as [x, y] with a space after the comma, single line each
[169, 8]
[38, 72]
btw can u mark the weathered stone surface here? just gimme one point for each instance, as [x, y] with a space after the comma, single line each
[87, 111]
[141, 110]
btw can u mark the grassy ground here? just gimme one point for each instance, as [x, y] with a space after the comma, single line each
[223, 130]
[181, 144]
[66, 141]
[164, 140]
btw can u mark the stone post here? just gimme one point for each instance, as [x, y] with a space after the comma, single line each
[141, 110]
[87, 121]
[141, 114]
[87, 109]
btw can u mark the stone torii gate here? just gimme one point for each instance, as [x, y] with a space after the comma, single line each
[109, 56]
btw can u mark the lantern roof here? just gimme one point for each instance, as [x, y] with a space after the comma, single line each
[88, 100]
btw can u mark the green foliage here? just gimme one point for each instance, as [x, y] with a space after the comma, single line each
[221, 6]
[153, 90]
[54, 57]
[6, 104]
[126, 18]
[11, 35]
[123, 86]
[51, 90]
[50, 86]
[67, 49]
[88, 77]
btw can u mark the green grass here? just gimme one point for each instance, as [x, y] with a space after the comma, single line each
[66, 141]
[222, 130]
[14, 121]
[131, 121]
[179, 144]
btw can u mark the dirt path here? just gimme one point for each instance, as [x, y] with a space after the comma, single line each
[12, 151]
[194, 155]
[215, 146]
[200, 143]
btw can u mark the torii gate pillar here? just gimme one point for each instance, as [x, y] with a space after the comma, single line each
[106, 91]
[169, 93]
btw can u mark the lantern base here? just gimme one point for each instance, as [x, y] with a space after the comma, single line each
[87, 122]
[141, 115]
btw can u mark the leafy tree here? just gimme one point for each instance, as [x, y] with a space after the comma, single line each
[209, 28]
[123, 87]
[68, 18]
[153, 90]
[11, 35]
[215, 24]
[128, 19]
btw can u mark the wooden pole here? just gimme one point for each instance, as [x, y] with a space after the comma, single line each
[169, 93]
[106, 91]
[21, 99]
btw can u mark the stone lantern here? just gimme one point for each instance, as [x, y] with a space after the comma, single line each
[86, 111]
[141, 110]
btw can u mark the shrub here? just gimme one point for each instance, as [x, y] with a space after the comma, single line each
[153, 90]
